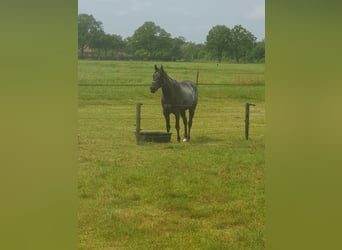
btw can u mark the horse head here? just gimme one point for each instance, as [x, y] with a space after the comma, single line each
[158, 79]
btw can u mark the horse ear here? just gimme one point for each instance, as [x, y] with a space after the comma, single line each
[155, 67]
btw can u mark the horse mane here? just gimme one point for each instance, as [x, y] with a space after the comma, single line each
[167, 76]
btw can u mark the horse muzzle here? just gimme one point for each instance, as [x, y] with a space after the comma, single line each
[153, 88]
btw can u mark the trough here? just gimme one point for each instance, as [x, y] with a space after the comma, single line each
[154, 137]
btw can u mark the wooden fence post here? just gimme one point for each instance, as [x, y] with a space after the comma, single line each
[247, 119]
[137, 123]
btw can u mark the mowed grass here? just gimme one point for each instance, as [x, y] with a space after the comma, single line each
[206, 194]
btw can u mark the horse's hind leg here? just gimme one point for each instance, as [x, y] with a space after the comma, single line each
[167, 121]
[191, 115]
[185, 122]
[177, 126]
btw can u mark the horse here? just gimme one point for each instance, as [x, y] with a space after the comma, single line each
[177, 97]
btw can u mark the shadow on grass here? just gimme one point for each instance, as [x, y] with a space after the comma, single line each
[196, 140]
[204, 139]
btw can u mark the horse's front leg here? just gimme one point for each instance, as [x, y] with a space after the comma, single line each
[177, 125]
[167, 121]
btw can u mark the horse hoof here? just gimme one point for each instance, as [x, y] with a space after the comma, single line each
[185, 140]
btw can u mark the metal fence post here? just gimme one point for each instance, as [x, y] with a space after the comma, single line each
[247, 119]
[137, 123]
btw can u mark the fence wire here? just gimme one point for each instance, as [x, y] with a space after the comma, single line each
[147, 85]
[114, 122]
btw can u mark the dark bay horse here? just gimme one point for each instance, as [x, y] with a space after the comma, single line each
[177, 97]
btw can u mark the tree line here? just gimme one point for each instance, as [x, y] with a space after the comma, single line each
[151, 42]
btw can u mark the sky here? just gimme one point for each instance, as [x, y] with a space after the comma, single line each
[191, 19]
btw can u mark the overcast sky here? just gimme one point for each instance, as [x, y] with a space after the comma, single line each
[191, 19]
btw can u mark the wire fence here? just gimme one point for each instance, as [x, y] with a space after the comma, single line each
[147, 85]
[214, 123]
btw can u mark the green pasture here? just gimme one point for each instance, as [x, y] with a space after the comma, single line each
[206, 194]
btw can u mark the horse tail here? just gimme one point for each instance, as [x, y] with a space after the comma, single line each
[197, 77]
[196, 89]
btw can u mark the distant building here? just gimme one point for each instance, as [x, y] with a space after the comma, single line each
[87, 50]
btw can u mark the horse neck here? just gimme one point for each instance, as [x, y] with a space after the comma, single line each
[168, 86]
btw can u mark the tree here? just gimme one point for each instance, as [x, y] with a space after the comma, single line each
[258, 52]
[218, 40]
[243, 42]
[191, 51]
[109, 42]
[175, 49]
[104, 42]
[89, 30]
[150, 40]
[116, 43]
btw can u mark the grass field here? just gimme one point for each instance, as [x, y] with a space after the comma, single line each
[206, 194]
